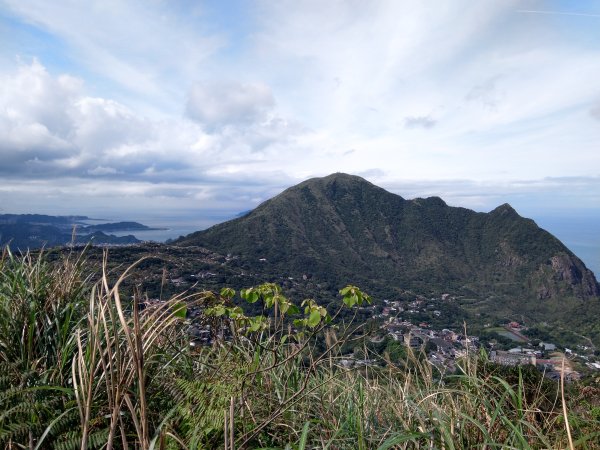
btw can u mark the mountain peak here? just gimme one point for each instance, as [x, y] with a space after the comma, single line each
[341, 176]
[504, 209]
[430, 201]
[335, 189]
[342, 229]
[346, 229]
[336, 178]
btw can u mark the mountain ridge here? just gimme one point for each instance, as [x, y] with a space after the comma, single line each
[34, 231]
[350, 229]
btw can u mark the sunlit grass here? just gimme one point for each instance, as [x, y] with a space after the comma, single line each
[84, 367]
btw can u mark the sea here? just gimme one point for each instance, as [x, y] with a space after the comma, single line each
[166, 227]
[581, 234]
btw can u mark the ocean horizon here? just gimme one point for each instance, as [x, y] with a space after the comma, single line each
[581, 235]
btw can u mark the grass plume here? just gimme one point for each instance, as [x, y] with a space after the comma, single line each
[85, 366]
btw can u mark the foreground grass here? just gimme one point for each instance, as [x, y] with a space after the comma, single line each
[82, 367]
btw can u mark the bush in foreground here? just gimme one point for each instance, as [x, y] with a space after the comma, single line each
[82, 367]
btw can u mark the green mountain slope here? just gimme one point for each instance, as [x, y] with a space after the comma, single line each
[342, 229]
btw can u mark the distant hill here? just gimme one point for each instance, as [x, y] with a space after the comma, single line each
[33, 231]
[342, 229]
[7, 219]
[119, 226]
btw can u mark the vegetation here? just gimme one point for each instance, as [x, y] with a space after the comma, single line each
[84, 366]
[342, 228]
[34, 231]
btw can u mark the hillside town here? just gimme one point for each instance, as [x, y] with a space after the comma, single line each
[444, 347]
[417, 322]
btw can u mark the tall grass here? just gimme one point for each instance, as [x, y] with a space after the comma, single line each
[84, 367]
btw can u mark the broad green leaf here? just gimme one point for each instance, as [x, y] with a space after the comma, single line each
[235, 312]
[227, 293]
[292, 309]
[180, 310]
[254, 325]
[250, 295]
[351, 295]
[300, 322]
[349, 300]
[216, 311]
[314, 318]
[345, 291]
[269, 300]
[257, 323]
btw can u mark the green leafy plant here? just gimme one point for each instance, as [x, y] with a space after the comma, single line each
[90, 365]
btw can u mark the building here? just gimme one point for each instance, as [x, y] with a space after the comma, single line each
[547, 346]
[413, 341]
[512, 359]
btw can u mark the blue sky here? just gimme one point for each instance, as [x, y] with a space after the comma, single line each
[135, 106]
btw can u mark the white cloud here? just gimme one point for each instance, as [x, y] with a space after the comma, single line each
[144, 49]
[50, 122]
[101, 170]
[32, 97]
[419, 122]
[34, 118]
[418, 90]
[102, 137]
[218, 103]
[337, 60]
[486, 93]
[595, 111]
[357, 70]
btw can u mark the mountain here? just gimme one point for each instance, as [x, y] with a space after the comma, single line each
[343, 229]
[33, 231]
[40, 219]
[118, 226]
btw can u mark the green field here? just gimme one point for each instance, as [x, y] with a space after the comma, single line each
[507, 334]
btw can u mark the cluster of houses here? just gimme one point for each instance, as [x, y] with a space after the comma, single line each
[553, 367]
[513, 357]
[416, 306]
[446, 346]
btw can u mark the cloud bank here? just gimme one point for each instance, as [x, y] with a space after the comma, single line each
[228, 103]
[208, 106]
